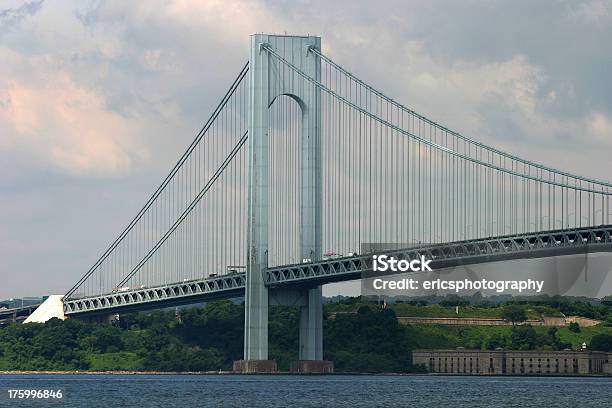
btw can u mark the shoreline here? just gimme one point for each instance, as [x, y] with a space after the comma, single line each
[16, 372]
[136, 373]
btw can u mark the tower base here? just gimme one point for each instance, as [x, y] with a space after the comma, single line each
[312, 367]
[255, 366]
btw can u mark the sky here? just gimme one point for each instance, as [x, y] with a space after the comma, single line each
[98, 99]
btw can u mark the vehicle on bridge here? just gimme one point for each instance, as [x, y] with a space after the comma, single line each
[234, 269]
[331, 255]
[121, 289]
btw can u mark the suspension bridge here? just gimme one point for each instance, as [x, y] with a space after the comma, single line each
[300, 157]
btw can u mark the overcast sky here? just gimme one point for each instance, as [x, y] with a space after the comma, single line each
[99, 98]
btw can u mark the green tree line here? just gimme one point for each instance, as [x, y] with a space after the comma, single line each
[199, 339]
[209, 338]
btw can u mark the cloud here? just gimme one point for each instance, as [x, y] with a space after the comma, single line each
[11, 17]
[65, 125]
[590, 11]
[104, 95]
[464, 94]
[599, 126]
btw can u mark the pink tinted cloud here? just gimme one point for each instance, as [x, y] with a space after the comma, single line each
[63, 124]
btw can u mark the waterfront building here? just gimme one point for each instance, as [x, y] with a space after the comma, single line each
[514, 362]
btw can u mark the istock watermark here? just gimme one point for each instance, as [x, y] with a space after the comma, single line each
[384, 263]
[413, 270]
[391, 264]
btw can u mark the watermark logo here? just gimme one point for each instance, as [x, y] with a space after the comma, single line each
[398, 269]
[385, 263]
[392, 267]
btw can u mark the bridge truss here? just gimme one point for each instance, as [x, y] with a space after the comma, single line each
[545, 244]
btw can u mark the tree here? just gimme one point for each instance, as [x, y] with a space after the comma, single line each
[495, 341]
[453, 300]
[523, 338]
[107, 339]
[601, 342]
[514, 314]
[371, 340]
[574, 327]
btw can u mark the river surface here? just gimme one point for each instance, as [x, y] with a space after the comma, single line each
[145, 391]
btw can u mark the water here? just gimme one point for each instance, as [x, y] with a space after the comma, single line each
[145, 391]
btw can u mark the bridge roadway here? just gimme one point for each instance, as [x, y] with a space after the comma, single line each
[17, 314]
[508, 247]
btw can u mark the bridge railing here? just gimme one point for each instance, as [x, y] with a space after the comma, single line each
[544, 244]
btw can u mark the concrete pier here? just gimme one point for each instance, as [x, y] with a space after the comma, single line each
[255, 366]
[312, 367]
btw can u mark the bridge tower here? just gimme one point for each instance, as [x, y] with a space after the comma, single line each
[269, 80]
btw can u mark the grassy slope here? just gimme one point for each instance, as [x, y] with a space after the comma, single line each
[585, 335]
[121, 361]
[439, 336]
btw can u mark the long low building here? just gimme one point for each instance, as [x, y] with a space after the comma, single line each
[514, 362]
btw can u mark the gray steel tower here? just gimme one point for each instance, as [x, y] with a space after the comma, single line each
[269, 80]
